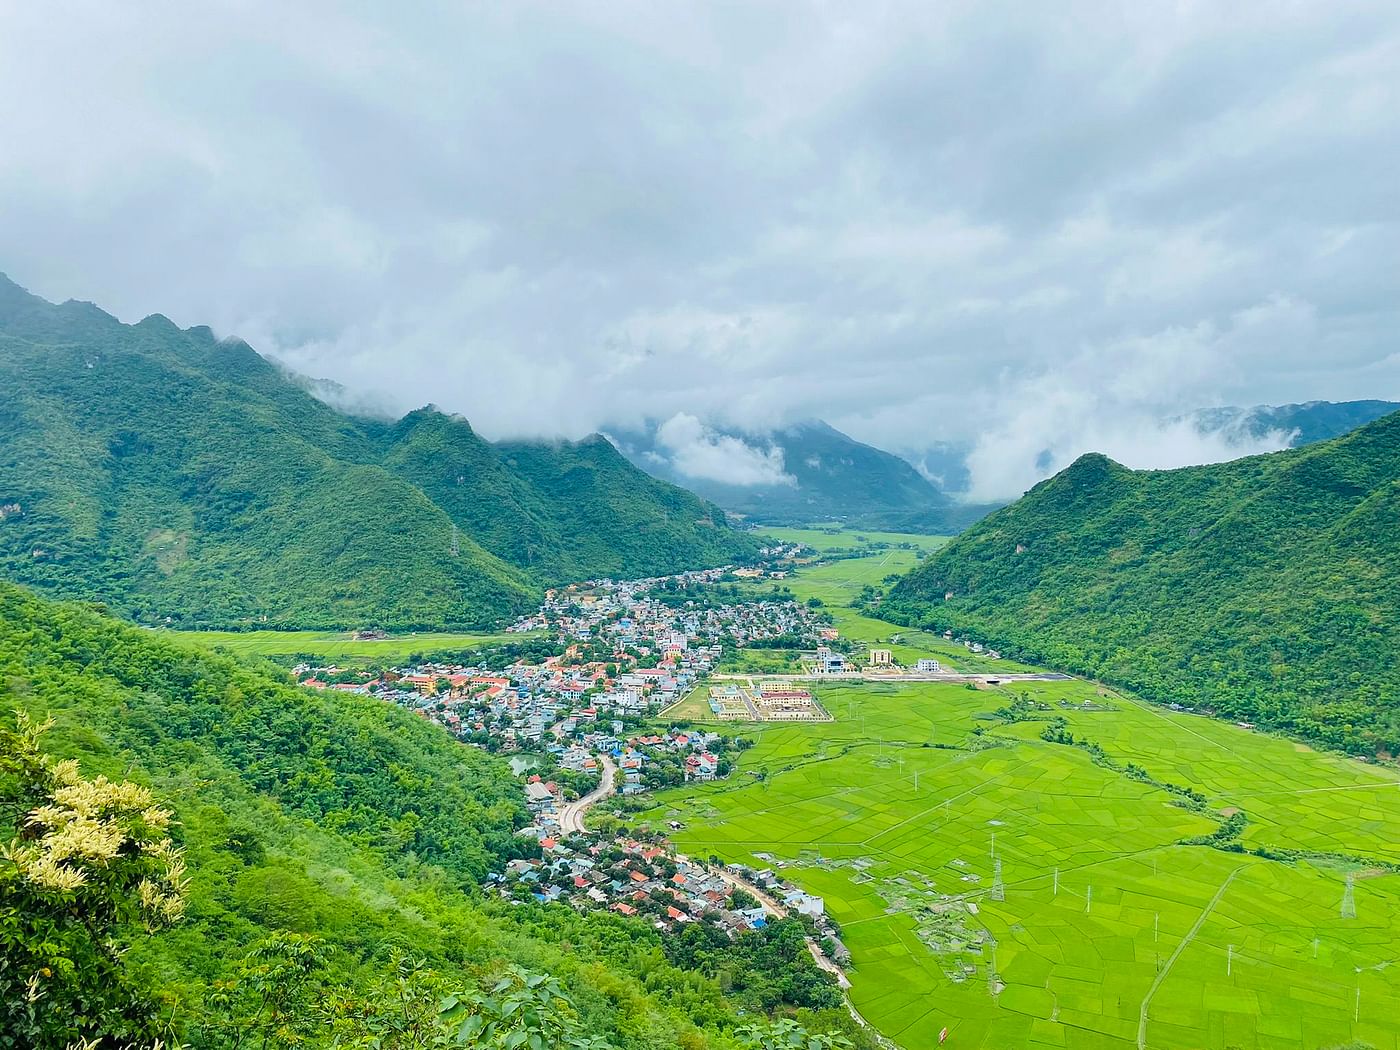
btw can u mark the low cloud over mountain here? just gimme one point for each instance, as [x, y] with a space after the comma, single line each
[1027, 231]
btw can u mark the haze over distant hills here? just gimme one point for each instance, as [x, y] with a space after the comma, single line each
[1303, 424]
[170, 474]
[810, 471]
[802, 472]
[1266, 588]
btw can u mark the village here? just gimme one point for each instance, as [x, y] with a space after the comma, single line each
[578, 714]
[623, 651]
[638, 878]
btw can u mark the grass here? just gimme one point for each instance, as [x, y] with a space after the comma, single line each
[1111, 933]
[837, 583]
[339, 647]
[829, 538]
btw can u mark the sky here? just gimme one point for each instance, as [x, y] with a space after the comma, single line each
[1030, 229]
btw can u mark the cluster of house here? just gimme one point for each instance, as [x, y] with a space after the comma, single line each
[630, 878]
[626, 654]
[630, 613]
[645, 879]
[974, 647]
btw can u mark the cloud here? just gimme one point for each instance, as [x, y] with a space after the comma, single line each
[961, 223]
[698, 452]
[1118, 399]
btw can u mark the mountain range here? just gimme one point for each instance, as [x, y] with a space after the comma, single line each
[1303, 424]
[1266, 588]
[812, 472]
[180, 478]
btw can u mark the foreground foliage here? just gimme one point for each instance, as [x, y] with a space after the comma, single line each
[330, 841]
[89, 863]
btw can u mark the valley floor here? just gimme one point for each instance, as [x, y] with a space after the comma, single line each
[340, 646]
[1030, 891]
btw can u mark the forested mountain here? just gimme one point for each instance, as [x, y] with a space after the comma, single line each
[170, 474]
[1267, 588]
[824, 475]
[1305, 423]
[327, 822]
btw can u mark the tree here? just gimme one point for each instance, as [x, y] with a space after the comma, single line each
[272, 1002]
[742, 900]
[787, 1034]
[89, 865]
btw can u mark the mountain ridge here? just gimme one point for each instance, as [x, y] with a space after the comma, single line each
[1261, 588]
[172, 474]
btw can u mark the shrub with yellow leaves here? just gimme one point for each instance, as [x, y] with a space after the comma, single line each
[87, 864]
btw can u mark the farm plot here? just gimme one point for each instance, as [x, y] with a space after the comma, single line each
[1024, 893]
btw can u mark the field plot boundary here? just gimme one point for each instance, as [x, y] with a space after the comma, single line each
[1171, 959]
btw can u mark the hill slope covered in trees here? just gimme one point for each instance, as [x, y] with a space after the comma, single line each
[170, 474]
[328, 820]
[1266, 588]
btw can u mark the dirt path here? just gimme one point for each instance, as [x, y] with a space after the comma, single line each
[1162, 973]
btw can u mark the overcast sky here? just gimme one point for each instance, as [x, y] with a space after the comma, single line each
[1038, 228]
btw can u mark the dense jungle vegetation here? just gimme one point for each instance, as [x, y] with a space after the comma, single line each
[1265, 589]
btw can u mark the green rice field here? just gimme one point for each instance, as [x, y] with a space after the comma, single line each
[1106, 928]
[338, 646]
[830, 537]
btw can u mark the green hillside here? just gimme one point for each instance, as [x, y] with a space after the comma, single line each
[1265, 589]
[169, 474]
[335, 817]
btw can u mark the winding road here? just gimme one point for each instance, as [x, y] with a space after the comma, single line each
[572, 813]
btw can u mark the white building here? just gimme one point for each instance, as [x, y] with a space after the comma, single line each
[804, 903]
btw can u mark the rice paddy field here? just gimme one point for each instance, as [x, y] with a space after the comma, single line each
[829, 538]
[1023, 892]
[339, 646]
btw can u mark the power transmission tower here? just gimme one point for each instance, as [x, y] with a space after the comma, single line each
[1349, 898]
[1088, 899]
[1056, 891]
[998, 887]
[456, 549]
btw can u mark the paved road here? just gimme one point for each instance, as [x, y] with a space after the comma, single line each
[910, 676]
[571, 816]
